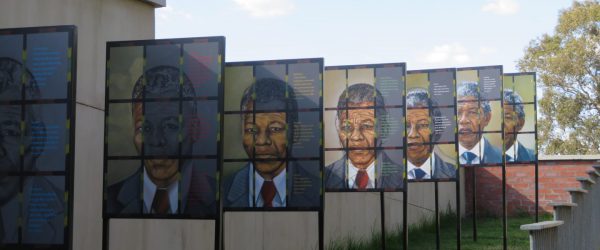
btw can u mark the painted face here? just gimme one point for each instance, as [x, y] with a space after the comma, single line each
[265, 140]
[10, 139]
[471, 120]
[418, 135]
[357, 133]
[159, 129]
[512, 124]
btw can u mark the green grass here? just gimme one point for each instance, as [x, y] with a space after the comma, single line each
[422, 236]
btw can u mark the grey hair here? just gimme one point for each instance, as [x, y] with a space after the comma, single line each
[12, 72]
[514, 99]
[360, 93]
[267, 92]
[10, 79]
[465, 89]
[160, 79]
[417, 98]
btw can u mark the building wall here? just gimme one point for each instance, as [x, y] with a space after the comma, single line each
[97, 21]
[555, 176]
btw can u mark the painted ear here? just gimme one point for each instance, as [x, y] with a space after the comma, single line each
[486, 119]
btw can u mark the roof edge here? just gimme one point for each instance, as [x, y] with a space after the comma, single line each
[156, 3]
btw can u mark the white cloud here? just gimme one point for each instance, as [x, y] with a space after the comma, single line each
[501, 7]
[447, 54]
[266, 8]
[170, 13]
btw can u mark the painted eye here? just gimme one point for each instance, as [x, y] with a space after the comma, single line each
[171, 126]
[277, 129]
[367, 126]
[147, 129]
[346, 128]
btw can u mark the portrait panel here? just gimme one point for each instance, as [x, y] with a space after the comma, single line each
[163, 123]
[37, 98]
[364, 119]
[273, 135]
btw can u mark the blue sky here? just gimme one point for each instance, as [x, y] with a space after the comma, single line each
[424, 34]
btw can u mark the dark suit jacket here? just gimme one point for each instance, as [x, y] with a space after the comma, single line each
[442, 169]
[303, 188]
[198, 190]
[390, 177]
[524, 154]
[492, 155]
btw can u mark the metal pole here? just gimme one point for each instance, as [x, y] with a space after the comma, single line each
[105, 225]
[437, 217]
[382, 210]
[458, 216]
[504, 220]
[474, 203]
[405, 215]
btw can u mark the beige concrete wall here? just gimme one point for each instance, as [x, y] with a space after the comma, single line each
[275, 230]
[357, 215]
[354, 215]
[156, 234]
[97, 21]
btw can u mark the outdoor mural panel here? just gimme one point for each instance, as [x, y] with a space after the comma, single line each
[37, 96]
[520, 118]
[479, 116]
[162, 127]
[273, 151]
[364, 127]
[431, 125]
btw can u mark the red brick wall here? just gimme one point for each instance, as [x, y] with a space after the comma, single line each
[554, 178]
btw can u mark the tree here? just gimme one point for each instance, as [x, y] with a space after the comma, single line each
[568, 67]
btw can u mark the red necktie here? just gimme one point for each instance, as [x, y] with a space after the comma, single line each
[362, 179]
[161, 203]
[268, 193]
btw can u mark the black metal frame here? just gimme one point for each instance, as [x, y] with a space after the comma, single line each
[502, 164]
[218, 157]
[318, 209]
[535, 162]
[437, 180]
[69, 101]
[381, 191]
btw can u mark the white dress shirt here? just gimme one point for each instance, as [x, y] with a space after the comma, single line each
[280, 184]
[478, 150]
[150, 190]
[513, 152]
[353, 171]
[426, 166]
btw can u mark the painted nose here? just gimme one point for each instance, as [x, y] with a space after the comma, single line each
[263, 138]
[356, 135]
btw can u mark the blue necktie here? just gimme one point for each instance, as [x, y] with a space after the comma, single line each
[419, 173]
[469, 157]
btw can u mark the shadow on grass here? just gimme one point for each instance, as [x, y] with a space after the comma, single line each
[423, 235]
